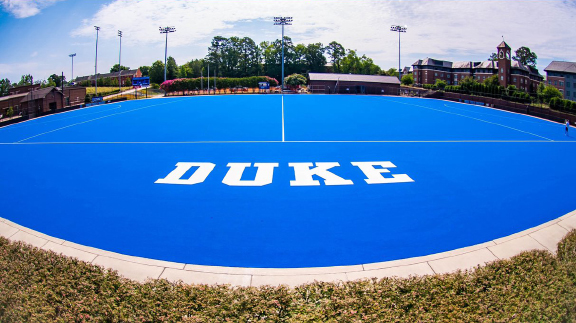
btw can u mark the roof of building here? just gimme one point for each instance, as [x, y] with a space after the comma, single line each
[38, 94]
[353, 78]
[503, 45]
[12, 96]
[462, 65]
[107, 75]
[433, 62]
[487, 64]
[560, 66]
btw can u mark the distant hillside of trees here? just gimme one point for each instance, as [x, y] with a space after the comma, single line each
[237, 57]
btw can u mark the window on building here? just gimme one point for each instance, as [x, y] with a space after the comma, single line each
[501, 78]
[501, 70]
[435, 74]
[567, 84]
[567, 93]
[549, 82]
[514, 79]
[555, 82]
[561, 83]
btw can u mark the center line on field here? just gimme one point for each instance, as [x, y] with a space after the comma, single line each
[283, 118]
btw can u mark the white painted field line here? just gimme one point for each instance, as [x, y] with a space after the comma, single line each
[282, 117]
[478, 119]
[277, 141]
[79, 123]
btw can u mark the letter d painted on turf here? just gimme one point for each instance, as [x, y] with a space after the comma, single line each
[199, 175]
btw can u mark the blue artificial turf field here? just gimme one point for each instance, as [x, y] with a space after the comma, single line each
[88, 176]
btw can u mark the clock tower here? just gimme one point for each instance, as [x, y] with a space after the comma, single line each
[504, 63]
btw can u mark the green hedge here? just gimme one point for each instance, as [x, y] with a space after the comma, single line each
[563, 105]
[192, 84]
[536, 286]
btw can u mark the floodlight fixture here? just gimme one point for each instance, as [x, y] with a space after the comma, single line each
[282, 21]
[96, 63]
[399, 29]
[166, 30]
[72, 56]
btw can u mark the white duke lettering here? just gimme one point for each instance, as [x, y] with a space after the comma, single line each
[303, 174]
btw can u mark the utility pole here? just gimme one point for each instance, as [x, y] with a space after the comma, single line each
[96, 64]
[120, 64]
[166, 30]
[282, 21]
[399, 29]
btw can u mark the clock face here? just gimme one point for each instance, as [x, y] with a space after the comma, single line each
[501, 54]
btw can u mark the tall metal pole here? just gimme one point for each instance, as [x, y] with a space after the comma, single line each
[166, 30]
[72, 55]
[399, 29]
[120, 64]
[282, 21]
[208, 78]
[96, 64]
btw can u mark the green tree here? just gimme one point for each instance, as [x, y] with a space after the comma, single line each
[408, 79]
[157, 72]
[493, 57]
[315, 59]
[492, 81]
[9, 112]
[548, 92]
[5, 85]
[55, 80]
[440, 84]
[145, 70]
[336, 52]
[392, 72]
[26, 80]
[172, 69]
[525, 56]
[118, 67]
[295, 80]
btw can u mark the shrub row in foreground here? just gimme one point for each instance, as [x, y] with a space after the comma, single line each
[536, 286]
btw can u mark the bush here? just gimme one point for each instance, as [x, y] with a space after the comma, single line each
[294, 81]
[155, 86]
[440, 84]
[191, 84]
[9, 112]
[535, 286]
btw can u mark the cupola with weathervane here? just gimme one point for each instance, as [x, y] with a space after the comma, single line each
[504, 63]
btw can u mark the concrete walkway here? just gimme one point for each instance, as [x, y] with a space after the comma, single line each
[542, 237]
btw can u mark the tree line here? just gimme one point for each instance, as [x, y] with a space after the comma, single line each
[237, 57]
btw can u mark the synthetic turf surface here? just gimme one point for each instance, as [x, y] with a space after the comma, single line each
[88, 176]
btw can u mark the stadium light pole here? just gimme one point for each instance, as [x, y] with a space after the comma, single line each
[120, 63]
[72, 55]
[96, 64]
[282, 21]
[399, 29]
[166, 30]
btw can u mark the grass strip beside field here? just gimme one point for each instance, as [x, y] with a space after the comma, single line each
[535, 286]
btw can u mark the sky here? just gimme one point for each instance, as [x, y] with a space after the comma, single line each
[39, 35]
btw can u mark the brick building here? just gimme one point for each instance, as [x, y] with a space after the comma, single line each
[509, 72]
[562, 75]
[32, 100]
[353, 83]
[125, 75]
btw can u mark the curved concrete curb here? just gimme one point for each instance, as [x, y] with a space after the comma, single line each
[544, 237]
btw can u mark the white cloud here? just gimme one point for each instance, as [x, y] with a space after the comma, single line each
[34, 54]
[26, 8]
[444, 29]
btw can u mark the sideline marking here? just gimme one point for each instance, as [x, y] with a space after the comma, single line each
[478, 119]
[277, 141]
[283, 118]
